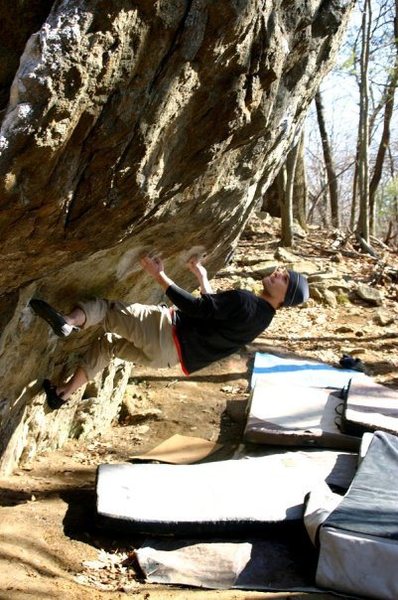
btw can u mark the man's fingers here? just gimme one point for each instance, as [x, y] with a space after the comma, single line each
[147, 259]
[151, 265]
[194, 260]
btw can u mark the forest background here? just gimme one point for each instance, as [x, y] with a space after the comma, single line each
[343, 170]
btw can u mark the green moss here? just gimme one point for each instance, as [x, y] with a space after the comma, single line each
[342, 298]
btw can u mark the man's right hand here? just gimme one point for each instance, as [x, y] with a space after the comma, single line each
[154, 266]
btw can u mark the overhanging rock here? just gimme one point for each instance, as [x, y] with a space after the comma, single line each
[128, 126]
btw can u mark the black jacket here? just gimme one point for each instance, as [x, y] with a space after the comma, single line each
[214, 326]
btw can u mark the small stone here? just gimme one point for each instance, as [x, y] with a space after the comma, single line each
[369, 294]
[285, 255]
[323, 295]
[315, 293]
[315, 277]
[344, 329]
[330, 298]
[142, 430]
[383, 318]
[339, 285]
[264, 267]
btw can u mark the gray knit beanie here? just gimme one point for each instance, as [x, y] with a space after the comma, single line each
[297, 290]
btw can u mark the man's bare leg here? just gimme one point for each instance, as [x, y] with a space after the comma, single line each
[78, 379]
[76, 318]
[59, 395]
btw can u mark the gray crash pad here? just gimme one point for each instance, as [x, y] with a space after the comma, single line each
[359, 539]
[237, 496]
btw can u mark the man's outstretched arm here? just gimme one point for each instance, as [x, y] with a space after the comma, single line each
[201, 307]
[196, 267]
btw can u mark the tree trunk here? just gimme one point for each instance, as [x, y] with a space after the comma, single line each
[320, 203]
[392, 232]
[385, 136]
[271, 201]
[363, 133]
[329, 163]
[287, 178]
[300, 186]
[274, 198]
[354, 201]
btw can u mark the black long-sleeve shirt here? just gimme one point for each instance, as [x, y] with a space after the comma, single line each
[213, 326]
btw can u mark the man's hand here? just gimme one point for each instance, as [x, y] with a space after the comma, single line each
[154, 266]
[196, 267]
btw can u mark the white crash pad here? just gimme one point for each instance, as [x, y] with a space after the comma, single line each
[224, 496]
[368, 407]
[288, 415]
[275, 369]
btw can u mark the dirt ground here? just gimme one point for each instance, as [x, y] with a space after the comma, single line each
[50, 546]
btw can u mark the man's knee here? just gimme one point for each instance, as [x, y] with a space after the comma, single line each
[95, 311]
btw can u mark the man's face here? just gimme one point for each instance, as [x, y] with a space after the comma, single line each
[276, 284]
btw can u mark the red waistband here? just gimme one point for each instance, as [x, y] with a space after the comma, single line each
[177, 342]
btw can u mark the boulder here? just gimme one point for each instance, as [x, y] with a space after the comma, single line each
[128, 126]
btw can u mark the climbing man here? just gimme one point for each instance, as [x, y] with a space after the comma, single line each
[195, 332]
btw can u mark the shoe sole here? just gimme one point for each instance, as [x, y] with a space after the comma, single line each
[53, 400]
[50, 315]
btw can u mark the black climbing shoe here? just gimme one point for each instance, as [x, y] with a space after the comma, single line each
[56, 321]
[53, 400]
[349, 362]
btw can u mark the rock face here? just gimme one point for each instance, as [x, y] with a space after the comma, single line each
[131, 125]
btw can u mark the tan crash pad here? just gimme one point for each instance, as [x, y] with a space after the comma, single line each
[180, 450]
[292, 415]
[370, 406]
